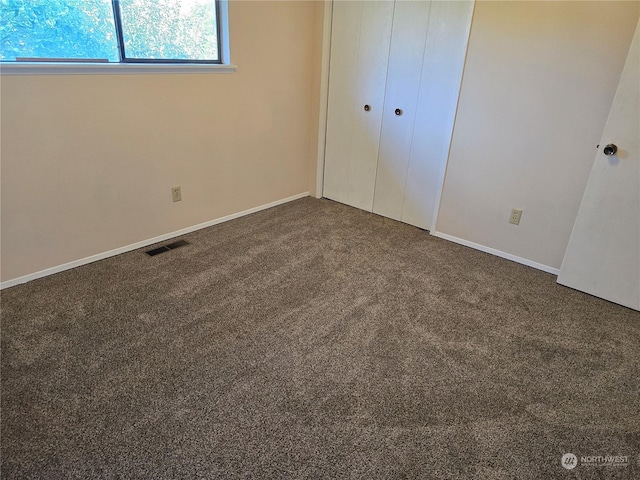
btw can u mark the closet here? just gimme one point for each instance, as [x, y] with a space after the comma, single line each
[394, 80]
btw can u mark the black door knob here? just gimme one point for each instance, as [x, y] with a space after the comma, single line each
[367, 108]
[610, 149]
[398, 111]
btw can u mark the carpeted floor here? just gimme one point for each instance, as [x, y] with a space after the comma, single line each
[314, 340]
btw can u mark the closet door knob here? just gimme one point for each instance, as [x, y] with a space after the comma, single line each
[398, 111]
[367, 108]
[610, 149]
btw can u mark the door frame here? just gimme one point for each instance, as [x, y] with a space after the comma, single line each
[324, 95]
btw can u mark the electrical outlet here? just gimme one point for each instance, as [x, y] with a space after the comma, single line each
[176, 194]
[515, 216]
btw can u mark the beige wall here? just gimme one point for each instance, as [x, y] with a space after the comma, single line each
[88, 161]
[537, 87]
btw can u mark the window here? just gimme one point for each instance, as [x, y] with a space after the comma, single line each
[110, 31]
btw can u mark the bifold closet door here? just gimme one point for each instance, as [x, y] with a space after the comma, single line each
[427, 55]
[408, 38]
[360, 37]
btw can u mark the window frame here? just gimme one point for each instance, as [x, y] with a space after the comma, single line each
[117, 18]
[135, 65]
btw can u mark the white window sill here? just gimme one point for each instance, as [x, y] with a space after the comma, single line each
[60, 68]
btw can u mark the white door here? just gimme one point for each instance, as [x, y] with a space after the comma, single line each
[410, 21]
[427, 54]
[394, 78]
[360, 35]
[442, 66]
[603, 255]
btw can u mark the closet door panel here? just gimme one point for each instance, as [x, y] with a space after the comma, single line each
[361, 33]
[403, 82]
[444, 58]
[345, 41]
[373, 61]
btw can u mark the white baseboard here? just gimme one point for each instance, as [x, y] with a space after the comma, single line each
[498, 253]
[144, 243]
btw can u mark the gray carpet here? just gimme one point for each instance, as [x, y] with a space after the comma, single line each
[314, 340]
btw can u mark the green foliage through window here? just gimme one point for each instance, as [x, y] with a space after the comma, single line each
[152, 30]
